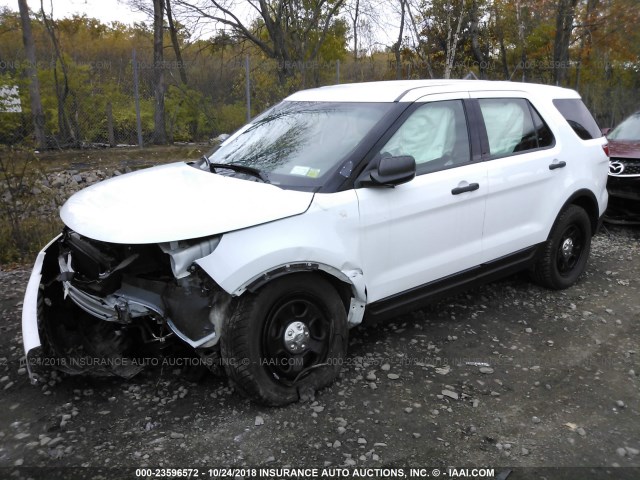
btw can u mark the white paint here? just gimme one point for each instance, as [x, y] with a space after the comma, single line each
[30, 335]
[419, 232]
[327, 235]
[525, 197]
[413, 90]
[176, 202]
[381, 241]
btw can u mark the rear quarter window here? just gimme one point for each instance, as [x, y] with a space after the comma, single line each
[578, 117]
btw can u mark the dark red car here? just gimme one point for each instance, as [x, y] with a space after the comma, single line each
[624, 172]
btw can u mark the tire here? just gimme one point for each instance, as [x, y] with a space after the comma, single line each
[566, 251]
[307, 309]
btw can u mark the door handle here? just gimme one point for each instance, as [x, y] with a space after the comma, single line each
[469, 188]
[555, 165]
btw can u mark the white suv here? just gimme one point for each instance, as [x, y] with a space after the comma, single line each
[338, 204]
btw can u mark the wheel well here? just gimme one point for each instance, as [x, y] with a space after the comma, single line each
[343, 288]
[587, 201]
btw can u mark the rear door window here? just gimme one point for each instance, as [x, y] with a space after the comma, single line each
[578, 117]
[513, 126]
[545, 137]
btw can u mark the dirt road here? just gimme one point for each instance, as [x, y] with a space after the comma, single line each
[561, 389]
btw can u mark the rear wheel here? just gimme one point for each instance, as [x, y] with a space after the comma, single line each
[566, 251]
[288, 338]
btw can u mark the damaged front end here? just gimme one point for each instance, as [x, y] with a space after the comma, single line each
[111, 309]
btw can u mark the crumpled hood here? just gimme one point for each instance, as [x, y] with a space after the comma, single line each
[176, 202]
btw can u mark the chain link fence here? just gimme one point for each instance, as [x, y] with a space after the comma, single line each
[111, 102]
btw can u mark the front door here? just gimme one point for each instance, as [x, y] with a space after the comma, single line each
[430, 227]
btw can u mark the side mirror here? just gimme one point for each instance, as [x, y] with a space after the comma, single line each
[605, 131]
[391, 171]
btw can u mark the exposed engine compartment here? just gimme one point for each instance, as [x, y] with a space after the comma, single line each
[108, 309]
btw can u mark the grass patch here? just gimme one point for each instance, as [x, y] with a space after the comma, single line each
[34, 234]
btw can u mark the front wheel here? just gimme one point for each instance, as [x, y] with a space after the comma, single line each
[287, 338]
[565, 253]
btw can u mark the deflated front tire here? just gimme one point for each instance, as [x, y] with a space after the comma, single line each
[287, 339]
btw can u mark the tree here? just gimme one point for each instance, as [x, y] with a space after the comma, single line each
[69, 129]
[173, 33]
[497, 11]
[159, 130]
[397, 46]
[288, 31]
[354, 14]
[565, 13]
[32, 74]
[364, 19]
[481, 57]
[522, 39]
[452, 38]
[422, 48]
[589, 25]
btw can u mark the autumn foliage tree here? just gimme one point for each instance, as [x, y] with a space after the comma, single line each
[287, 31]
[199, 89]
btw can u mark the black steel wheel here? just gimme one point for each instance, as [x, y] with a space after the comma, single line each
[565, 253]
[295, 336]
[570, 249]
[286, 339]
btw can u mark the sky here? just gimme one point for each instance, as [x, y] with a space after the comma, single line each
[117, 10]
[104, 10]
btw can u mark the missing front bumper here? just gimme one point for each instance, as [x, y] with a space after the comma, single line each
[68, 328]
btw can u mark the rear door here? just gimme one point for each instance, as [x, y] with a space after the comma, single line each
[430, 227]
[524, 172]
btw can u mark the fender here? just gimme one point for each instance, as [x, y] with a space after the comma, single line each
[354, 279]
[324, 238]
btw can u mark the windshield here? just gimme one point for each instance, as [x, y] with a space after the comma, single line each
[627, 130]
[299, 143]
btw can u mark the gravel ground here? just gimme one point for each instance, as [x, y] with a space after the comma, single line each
[561, 389]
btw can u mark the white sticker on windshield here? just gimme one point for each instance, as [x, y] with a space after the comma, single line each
[298, 170]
